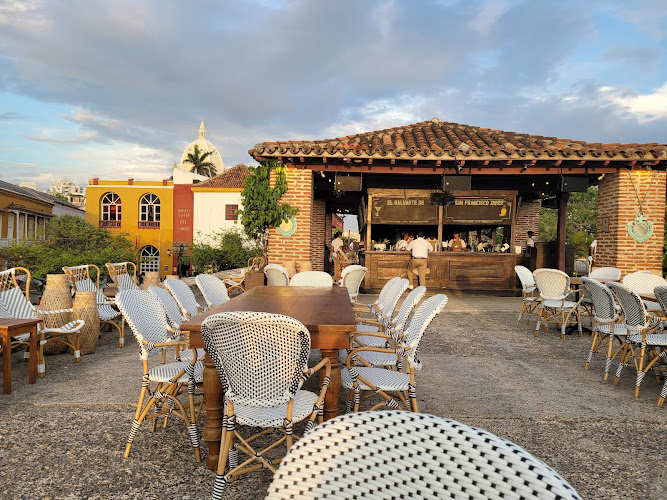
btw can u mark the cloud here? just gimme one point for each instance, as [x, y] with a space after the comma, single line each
[645, 108]
[11, 116]
[77, 139]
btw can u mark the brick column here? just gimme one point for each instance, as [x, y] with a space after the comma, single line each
[318, 234]
[527, 219]
[617, 205]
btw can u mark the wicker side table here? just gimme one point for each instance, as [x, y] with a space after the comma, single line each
[85, 304]
[56, 296]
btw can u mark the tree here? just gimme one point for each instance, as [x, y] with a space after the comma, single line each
[59, 196]
[261, 202]
[200, 164]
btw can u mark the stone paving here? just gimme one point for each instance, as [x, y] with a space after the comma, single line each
[64, 437]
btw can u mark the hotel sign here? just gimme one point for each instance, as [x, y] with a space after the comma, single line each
[388, 210]
[464, 210]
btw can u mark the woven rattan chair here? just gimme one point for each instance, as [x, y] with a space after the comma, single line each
[360, 308]
[148, 321]
[262, 361]
[109, 315]
[351, 278]
[530, 298]
[276, 275]
[643, 283]
[364, 380]
[312, 278]
[15, 303]
[392, 455]
[660, 293]
[582, 267]
[184, 296]
[605, 274]
[213, 289]
[606, 323]
[554, 288]
[642, 341]
[124, 275]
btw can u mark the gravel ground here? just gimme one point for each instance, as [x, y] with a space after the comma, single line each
[64, 437]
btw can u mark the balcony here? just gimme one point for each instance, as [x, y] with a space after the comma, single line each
[149, 224]
[110, 224]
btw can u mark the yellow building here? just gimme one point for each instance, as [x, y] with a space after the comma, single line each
[143, 210]
[23, 213]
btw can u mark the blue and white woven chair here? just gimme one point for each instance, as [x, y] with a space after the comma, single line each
[123, 274]
[530, 297]
[276, 275]
[369, 380]
[360, 308]
[607, 325]
[642, 341]
[312, 278]
[109, 315]
[213, 289]
[351, 278]
[15, 303]
[555, 306]
[385, 308]
[148, 321]
[184, 296]
[262, 361]
[392, 455]
[643, 283]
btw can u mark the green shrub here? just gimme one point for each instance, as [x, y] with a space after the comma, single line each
[225, 249]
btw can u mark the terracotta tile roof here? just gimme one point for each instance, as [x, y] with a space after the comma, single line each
[231, 178]
[440, 140]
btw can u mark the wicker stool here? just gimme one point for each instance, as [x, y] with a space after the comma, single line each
[151, 278]
[85, 304]
[56, 296]
[303, 266]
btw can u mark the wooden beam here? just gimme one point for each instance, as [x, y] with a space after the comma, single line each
[562, 223]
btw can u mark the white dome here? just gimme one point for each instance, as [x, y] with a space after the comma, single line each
[204, 147]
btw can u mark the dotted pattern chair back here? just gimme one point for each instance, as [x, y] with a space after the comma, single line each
[174, 314]
[213, 289]
[606, 273]
[276, 275]
[312, 278]
[632, 306]
[552, 284]
[407, 306]
[386, 308]
[351, 278]
[602, 298]
[660, 293]
[420, 321]
[146, 317]
[262, 356]
[358, 456]
[184, 297]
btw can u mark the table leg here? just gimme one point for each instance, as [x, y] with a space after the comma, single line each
[333, 393]
[214, 402]
[6, 363]
[32, 360]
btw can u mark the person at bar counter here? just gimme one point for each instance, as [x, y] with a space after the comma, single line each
[456, 244]
[402, 244]
[417, 265]
[530, 241]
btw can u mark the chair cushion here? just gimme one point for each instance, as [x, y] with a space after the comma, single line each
[568, 304]
[386, 380]
[659, 339]
[304, 402]
[164, 373]
[186, 354]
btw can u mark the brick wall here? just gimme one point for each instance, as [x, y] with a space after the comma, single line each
[527, 219]
[318, 234]
[617, 203]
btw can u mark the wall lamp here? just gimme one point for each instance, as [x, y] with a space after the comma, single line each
[168, 252]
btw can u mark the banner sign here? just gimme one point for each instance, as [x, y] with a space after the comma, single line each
[404, 211]
[466, 210]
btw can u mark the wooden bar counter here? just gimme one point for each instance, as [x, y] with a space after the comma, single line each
[464, 271]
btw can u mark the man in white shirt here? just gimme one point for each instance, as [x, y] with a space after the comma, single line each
[593, 249]
[530, 241]
[417, 266]
[402, 244]
[336, 246]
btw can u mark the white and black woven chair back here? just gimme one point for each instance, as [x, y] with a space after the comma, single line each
[420, 321]
[174, 314]
[643, 282]
[213, 289]
[660, 293]
[276, 275]
[145, 315]
[352, 276]
[407, 306]
[552, 284]
[396, 454]
[184, 297]
[312, 278]
[262, 356]
[632, 306]
[606, 273]
[387, 306]
[602, 298]
[525, 277]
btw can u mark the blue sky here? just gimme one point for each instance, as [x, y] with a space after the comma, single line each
[117, 89]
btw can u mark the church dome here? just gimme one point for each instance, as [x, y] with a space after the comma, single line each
[204, 147]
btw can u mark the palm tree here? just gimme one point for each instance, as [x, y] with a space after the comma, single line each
[200, 164]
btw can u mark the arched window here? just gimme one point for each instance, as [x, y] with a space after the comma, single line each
[149, 211]
[150, 259]
[111, 210]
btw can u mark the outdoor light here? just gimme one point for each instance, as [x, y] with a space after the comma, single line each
[601, 177]
[168, 252]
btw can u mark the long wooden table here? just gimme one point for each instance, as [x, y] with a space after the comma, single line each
[326, 312]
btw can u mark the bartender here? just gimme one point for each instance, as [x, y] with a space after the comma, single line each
[456, 244]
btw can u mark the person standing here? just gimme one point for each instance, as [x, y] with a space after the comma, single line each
[402, 244]
[417, 265]
[336, 246]
[456, 244]
[530, 240]
[593, 249]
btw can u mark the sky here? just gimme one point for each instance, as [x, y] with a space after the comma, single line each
[116, 89]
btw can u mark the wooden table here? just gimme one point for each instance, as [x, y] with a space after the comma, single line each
[10, 328]
[326, 312]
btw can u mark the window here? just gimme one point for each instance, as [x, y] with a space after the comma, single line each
[231, 212]
[150, 259]
[111, 210]
[149, 212]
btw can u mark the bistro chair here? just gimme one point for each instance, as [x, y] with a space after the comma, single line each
[312, 278]
[582, 267]
[382, 321]
[643, 283]
[262, 361]
[393, 454]
[554, 306]
[661, 294]
[606, 274]
[109, 315]
[351, 278]
[530, 297]
[124, 275]
[15, 303]
[369, 380]
[184, 296]
[360, 308]
[213, 289]
[607, 325]
[148, 321]
[642, 341]
[276, 275]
